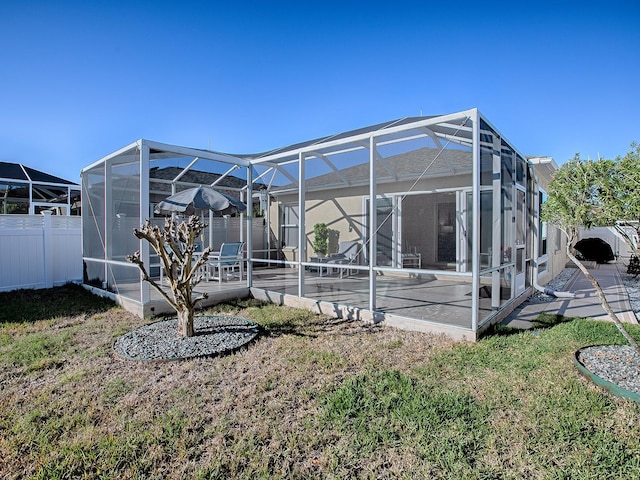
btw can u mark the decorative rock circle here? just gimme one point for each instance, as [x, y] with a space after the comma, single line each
[613, 367]
[214, 335]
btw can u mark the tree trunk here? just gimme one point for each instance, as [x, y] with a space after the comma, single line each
[603, 301]
[185, 322]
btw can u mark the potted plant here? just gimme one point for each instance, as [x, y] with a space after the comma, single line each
[320, 239]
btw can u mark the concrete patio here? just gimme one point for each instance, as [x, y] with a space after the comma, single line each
[586, 302]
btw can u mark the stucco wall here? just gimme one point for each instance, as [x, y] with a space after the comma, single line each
[342, 209]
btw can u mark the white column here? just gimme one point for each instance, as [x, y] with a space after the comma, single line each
[302, 238]
[249, 225]
[32, 210]
[108, 218]
[496, 236]
[373, 220]
[143, 215]
[475, 215]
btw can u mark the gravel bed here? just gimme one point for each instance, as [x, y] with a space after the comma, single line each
[557, 284]
[632, 284]
[618, 364]
[214, 335]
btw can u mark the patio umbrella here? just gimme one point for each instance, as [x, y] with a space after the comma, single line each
[202, 198]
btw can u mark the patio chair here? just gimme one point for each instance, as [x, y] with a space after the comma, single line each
[225, 262]
[348, 254]
[196, 255]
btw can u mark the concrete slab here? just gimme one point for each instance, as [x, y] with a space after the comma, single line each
[586, 302]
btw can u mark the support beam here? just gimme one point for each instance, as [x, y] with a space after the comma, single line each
[225, 174]
[496, 235]
[186, 169]
[193, 152]
[373, 224]
[302, 238]
[377, 157]
[143, 245]
[332, 167]
[249, 226]
[475, 215]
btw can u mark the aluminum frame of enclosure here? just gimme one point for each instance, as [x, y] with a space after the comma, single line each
[330, 146]
[382, 185]
[105, 267]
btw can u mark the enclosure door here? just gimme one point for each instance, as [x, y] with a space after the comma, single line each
[521, 239]
[387, 233]
[386, 219]
[485, 224]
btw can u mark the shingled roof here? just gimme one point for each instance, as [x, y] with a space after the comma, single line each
[196, 177]
[338, 136]
[423, 162]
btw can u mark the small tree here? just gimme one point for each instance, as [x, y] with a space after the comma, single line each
[579, 196]
[321, 238]
[175, 245]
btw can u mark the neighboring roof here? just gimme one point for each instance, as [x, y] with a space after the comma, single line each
[197, 177]
[429, 162]
[17, 171]
[191, 176]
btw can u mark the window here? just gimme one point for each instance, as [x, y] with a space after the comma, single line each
[558, 239]
[521, 217]
[290, 225]
[521, 170]
[14, 198]
[542, 268]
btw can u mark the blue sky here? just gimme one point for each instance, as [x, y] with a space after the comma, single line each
[79, 80]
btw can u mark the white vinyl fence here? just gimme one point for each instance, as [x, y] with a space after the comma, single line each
[39, 251]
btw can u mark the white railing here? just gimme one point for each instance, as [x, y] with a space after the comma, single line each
[39, 251]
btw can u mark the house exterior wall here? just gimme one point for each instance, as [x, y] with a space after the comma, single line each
[557, 257]
[345, 215]
[555, 261]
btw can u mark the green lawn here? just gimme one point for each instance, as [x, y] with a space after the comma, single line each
[313, 397]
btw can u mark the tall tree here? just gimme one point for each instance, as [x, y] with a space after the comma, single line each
[583, 194]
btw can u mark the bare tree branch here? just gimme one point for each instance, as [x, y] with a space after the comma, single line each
[174, 245]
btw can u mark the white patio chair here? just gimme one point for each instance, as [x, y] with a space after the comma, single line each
[196, 255]
[225, 262]
[348, 254]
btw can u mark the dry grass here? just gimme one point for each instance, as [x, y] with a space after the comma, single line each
[259, 401]
[312, 397]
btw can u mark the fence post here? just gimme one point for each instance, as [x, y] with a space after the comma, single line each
[47, 247]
